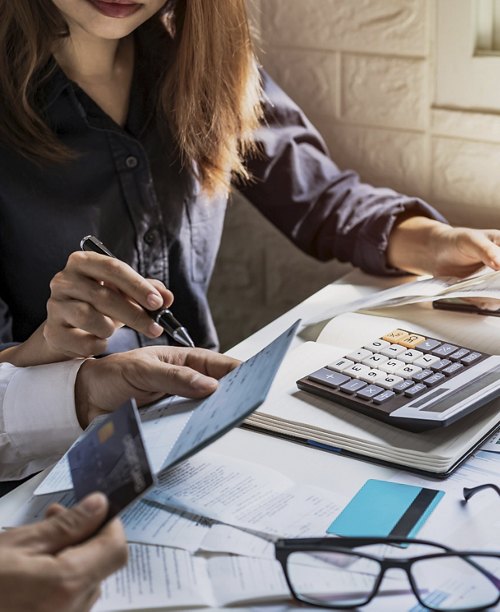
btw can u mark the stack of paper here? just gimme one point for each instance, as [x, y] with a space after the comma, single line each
[485, 285]
[207, 504]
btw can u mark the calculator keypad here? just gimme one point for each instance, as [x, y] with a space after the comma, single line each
[387, 373]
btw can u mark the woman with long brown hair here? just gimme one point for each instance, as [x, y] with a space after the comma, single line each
[130, 120]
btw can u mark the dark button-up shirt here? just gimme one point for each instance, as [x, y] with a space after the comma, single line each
[127, 186]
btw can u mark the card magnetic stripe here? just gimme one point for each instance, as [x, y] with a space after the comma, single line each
[416, 513]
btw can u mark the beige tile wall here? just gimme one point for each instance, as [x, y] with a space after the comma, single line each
[363, 72]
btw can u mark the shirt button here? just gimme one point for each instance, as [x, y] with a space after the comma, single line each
[131, 161]
[149, 236]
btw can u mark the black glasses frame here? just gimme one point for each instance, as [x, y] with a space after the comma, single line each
[285, 547]
[469, 492]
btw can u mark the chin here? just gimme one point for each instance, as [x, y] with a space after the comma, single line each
[111, 31]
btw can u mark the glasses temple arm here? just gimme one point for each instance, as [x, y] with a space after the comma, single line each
[469, 492]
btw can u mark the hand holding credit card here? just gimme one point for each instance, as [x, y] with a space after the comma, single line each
[111, 458]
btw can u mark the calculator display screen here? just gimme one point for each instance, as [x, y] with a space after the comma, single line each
[462, 393]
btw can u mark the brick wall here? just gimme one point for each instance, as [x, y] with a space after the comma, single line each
[363, 71]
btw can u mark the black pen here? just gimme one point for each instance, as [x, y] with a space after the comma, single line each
[163, 317]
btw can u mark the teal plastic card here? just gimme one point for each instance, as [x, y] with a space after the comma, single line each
[381, 508]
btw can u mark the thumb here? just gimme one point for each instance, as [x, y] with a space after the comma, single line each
[71, 526]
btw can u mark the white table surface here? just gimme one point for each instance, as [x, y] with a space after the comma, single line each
[303, 464]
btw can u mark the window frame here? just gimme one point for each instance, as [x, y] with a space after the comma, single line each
[464, 77]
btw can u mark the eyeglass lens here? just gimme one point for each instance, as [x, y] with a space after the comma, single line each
[457, 583]
[347, 579]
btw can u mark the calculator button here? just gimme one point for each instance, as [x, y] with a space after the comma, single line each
[434, 379]
[403, 385]
[396, 335]
[376, 345]
[411, 340]
[457, 355]
[444, 350]
[392, 366]
[373, 376]
[453, 368]
[375, 360]
[352, 386]
[357, 370]
[408, 371]
[468, 359]
[383, 397]
[340, 365]
[393, 350]
[390, 381]
[420, 376]
[359, 355]
[428, 345]
[426, 361]
[327, 377]
[415, 390]
[441, 364]
[369, 392]
[410, 356]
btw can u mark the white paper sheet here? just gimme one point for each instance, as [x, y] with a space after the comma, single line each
[157, 577]
[35, 508]
[225, 539]
[246, 495]
[240, 579]
[485, 285]
[148, 523]
[493, 444]
[144, 523]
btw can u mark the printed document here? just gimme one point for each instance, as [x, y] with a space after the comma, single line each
[246, 495]
[158, 577]
[150, 523]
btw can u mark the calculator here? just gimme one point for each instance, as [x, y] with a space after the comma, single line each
[409, 380]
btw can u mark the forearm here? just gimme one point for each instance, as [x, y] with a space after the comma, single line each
[412, 244]
[327, 212]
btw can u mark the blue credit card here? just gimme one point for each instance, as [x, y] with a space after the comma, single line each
[381, 508]
[111, 458]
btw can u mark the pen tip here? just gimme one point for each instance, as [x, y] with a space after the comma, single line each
[181, 336]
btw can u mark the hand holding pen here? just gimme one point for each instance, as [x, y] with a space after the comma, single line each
[161, 316]
[95, 295]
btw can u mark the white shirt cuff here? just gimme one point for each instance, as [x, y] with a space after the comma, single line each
[39, 409]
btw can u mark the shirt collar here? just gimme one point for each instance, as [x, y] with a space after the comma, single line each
[54, 82]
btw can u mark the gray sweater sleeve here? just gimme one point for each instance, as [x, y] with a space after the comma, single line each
[326, 212]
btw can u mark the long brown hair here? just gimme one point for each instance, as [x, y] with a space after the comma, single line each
[209, 92]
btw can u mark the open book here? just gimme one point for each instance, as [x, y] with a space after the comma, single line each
[313, 420]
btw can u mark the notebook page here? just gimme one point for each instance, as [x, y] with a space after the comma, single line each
[353, 329]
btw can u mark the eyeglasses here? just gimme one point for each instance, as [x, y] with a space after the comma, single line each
[343, 573]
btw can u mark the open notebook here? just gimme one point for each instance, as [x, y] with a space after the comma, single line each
[313, 420]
